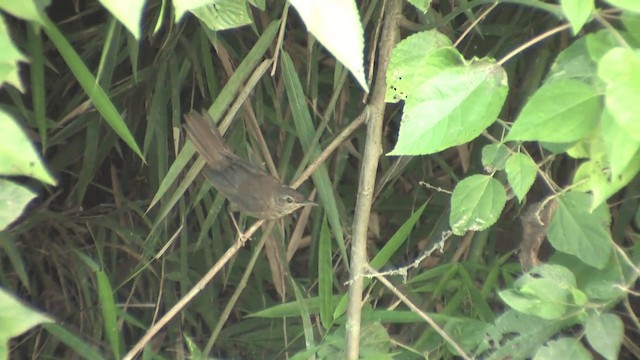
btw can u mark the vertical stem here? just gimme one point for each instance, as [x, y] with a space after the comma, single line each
[372, 152]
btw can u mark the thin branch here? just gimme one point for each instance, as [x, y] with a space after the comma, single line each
[372, 152]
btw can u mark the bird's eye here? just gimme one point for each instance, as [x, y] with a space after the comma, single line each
[289, 200]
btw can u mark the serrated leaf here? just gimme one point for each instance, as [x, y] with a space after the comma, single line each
[578, 12]
[128, 12]
[17, 154]
[605, 333]
[451, 108]
[620, 69]
[223, 14]
[336, 24]
[577, 231]
[521, 173]
[415, 60]
[494, 157]
[560, 111]
[476, 204]
[13, 199]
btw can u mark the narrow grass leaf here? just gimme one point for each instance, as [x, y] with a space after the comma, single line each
[98, 96]
[79, 345]
[305, 315]
[325, 276]
[109, 312]
[305, 131]
[36, 74]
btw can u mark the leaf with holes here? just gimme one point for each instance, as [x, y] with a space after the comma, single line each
[476, 204]
[452, 108]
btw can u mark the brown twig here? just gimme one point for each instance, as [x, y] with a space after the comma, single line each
[372, 152]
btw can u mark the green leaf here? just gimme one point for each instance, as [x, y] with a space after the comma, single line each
[9, 58]
[108, 308]
[631, 5]
[560, 111]
[577, 231]
[223, 14]
[563, 348]
[620, 69]
[521, 173]
[128, 12]
[605, 334]
[494, 157]
[25, 9]
[415, 60]
[182, 6]
[336, 24]
[78, 343]
[17, 154]
[422, 5]
[546, 291]
[325, 276]
[90, 85]
[600, 182]
[476, 204]
[451, 108]
[578, 12]
[16, 317]
[632, 23]
[13, 199]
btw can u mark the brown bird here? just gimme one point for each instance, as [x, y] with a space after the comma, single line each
[252, 189]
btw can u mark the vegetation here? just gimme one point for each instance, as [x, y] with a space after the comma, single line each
[476, 166]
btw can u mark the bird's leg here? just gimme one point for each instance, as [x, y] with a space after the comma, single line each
[241, 239]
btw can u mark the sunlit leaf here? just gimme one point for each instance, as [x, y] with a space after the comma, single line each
[17, 154]
[336, 24]
[560, 111]
[451, 108]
